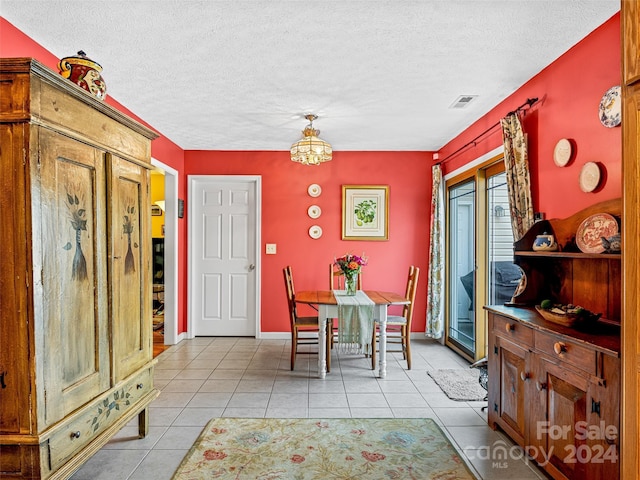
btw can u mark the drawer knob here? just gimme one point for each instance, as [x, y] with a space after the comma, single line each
[525, 376]
[559, 348]
[75, 434]
[139, 386]
[541, 386]
[509, 327]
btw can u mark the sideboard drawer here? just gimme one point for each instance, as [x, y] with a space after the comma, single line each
[508, 328]
[566, 352]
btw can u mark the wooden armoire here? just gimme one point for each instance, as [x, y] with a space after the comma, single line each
[76, 354]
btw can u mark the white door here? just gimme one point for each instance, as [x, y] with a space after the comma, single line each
[224, 226]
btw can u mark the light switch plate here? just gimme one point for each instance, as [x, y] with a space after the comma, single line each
[270, 249]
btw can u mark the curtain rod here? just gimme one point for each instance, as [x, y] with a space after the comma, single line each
[530, 102]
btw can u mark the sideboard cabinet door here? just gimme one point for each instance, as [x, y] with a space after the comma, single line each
[563, 399]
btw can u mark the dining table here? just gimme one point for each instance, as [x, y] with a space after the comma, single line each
[327, 305]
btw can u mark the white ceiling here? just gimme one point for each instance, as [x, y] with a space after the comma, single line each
[380, 74]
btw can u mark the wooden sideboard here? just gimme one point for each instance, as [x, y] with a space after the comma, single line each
[555, 390]
[75, 317]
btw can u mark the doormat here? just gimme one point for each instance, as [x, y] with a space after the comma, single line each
[319, 449]
[459, 384]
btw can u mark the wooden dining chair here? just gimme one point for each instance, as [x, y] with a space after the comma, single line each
[300, 324]
[399, 326]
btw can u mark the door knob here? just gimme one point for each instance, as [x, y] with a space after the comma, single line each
[252, 267]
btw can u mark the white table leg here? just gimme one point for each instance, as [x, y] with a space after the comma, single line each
[382, 316]
[323, 314]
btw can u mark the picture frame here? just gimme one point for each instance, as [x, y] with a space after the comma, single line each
[365, 212]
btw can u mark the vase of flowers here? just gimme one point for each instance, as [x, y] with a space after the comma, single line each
[350, 265]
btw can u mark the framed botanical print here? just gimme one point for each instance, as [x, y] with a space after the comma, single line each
[365, 212]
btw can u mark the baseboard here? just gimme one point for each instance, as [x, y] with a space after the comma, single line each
[274, 336]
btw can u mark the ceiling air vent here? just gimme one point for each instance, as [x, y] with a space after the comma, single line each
[462, 101]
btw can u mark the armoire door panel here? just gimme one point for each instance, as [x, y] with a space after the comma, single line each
[130, 270]
[14, 238]
[66, 225]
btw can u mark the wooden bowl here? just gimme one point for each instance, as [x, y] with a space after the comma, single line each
[567, 319]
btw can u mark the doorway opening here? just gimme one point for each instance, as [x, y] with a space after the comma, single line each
[164, 196]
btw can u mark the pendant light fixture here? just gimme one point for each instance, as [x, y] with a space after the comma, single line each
[311, 150]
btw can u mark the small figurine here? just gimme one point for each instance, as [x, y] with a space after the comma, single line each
[545, 243]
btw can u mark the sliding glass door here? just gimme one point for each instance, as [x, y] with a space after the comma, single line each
[480, 269]
[461, 234]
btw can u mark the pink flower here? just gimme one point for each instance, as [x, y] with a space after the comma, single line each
[214, 455]
[348, 458]
[359, 432]
[218, 430]
[298, 459]
[373, 457]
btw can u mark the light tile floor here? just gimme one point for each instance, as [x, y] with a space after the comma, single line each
[207, 377]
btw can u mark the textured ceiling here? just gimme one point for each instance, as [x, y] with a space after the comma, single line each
[380, 74]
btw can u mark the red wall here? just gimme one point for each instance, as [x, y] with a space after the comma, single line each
[569, 90]
[285, 221]
[14, 43]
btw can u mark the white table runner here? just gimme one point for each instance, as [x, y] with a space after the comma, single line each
[355, 322]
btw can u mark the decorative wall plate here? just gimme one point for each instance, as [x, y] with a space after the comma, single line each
[314, 190]
[592, 229]
[562, 153]
[589, 177]
[314, 211]
[610, 107]
[315, 232]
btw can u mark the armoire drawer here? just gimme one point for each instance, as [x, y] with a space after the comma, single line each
[82, 428]
[566, 352]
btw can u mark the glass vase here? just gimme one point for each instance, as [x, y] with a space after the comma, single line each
[350, 284]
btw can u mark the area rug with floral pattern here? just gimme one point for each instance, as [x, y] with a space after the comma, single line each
[320, 449]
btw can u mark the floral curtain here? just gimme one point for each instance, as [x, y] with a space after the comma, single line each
[517, 170]
[435, 292]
